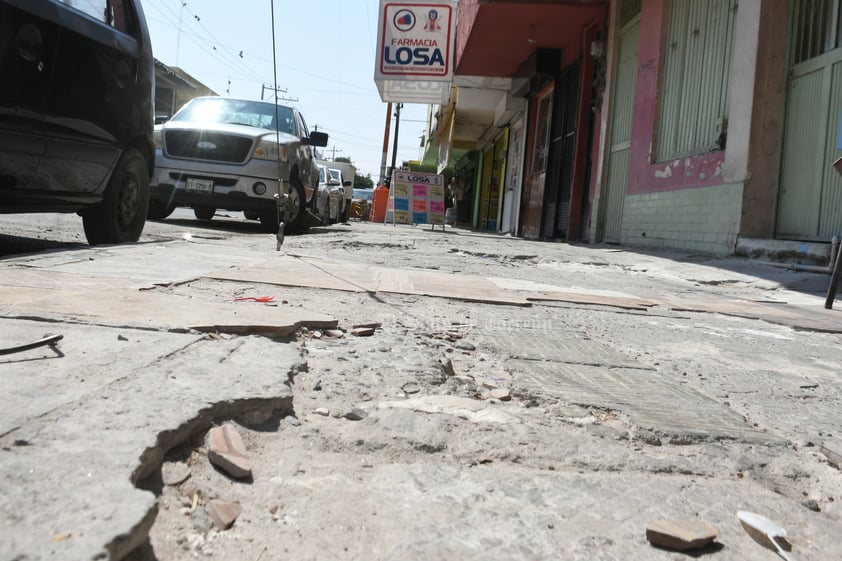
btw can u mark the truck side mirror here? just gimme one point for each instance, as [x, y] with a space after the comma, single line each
[318, 139]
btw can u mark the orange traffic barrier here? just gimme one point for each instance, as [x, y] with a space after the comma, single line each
[379, 202]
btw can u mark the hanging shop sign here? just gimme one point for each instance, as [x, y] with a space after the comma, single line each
[418, 198]
[415, 43]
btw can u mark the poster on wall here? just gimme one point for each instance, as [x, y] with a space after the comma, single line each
[418, 198]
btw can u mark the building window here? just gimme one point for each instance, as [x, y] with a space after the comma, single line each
[817, 28]
[693, 109]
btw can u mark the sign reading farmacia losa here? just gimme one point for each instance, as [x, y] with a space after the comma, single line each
[416, 40]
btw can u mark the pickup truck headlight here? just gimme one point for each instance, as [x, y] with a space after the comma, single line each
[270, 150]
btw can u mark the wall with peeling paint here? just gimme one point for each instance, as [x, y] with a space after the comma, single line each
[707, 201]
[645, 175]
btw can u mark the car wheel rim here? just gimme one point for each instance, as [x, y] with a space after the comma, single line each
[127, 201]
[292, 205]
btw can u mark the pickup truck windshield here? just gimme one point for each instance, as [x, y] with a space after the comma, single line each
[237, 112]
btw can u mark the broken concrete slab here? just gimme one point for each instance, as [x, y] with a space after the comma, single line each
[681, 535]
[83, 365]
[357, 277]
[131, 422]
[155, 310]
[626, 303]
[640, 394]
[227, 451]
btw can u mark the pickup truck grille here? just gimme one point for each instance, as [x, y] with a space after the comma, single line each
[207, 146]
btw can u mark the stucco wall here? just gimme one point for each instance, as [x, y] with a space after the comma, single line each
[706, 219]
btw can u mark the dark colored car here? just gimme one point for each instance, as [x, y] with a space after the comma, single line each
[76, 113]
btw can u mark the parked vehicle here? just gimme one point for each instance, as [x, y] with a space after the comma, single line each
[349, 172]
[76, 113]
[331, 197]
[361, 203]
[219, 152]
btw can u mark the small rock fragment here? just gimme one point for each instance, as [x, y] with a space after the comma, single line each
[317, 387]
[362, 331]
[174, 473]
[323, 411]
[370, 325]
[446, 366]
[411, 388]
[812, 504]
[227, 451]
[680, 535]
[501, 393]
[834, 458]
[223, 514]
[335, 333]
[122, 338]
[465, 346]
[356, 414]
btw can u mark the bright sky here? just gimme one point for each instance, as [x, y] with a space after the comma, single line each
[326, 58]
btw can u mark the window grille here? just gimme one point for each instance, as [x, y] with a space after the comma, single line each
[817, 28]
[695, 78]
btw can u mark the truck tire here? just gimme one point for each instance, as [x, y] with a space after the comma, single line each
[294, 207]
[204, 212]
[121, 214]
[158, 210]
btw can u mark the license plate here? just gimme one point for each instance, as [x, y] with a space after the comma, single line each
[199, 185]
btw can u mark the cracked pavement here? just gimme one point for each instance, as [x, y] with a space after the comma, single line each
[715, 398]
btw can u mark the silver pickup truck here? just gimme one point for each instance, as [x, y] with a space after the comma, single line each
[235, 154]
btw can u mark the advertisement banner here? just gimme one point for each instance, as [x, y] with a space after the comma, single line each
[418, 198]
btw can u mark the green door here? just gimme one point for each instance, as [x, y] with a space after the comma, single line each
[810, 201]
[621, 126]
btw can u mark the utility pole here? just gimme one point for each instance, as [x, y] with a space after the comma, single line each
[264, 88]
[383, 168]
[397, 128]
[333, 152]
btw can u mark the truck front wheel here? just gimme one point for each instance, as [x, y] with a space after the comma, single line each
[294, 206]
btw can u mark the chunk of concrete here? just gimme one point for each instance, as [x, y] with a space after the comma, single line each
[223, 514]
[680, 535]
[174, 473]
[502, 394]
[227, 451]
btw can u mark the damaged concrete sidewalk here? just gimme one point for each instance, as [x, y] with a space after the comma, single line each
[146, 364]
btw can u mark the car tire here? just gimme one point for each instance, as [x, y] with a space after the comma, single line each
[294, 207]
[158, 210]
[204, 212]
[345, 212]
[121, 214]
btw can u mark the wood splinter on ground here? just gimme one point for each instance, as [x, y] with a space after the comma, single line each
[680, 535]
